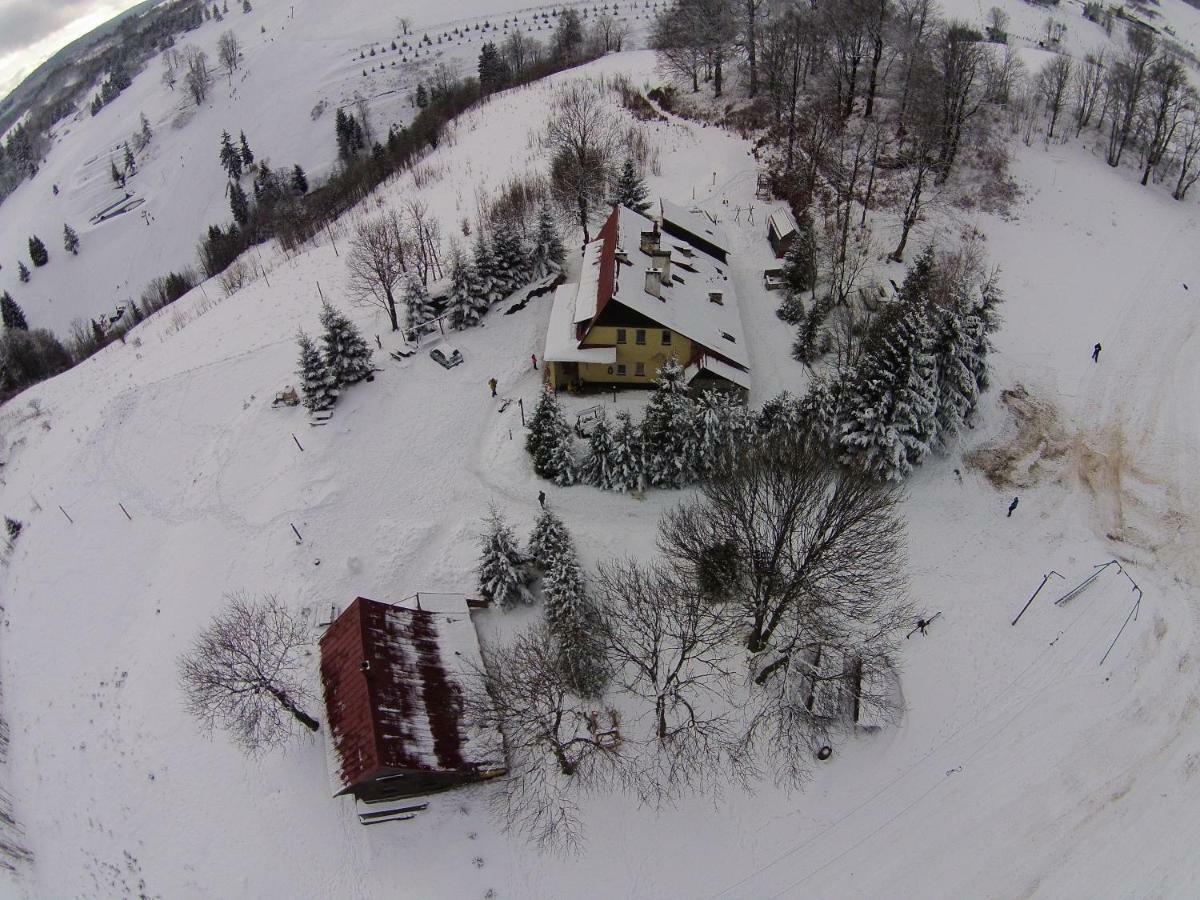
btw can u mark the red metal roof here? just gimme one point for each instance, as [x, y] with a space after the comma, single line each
[403, 710]
[608, 271]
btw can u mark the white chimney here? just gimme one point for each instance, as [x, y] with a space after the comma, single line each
[653, 283]
[664, 264]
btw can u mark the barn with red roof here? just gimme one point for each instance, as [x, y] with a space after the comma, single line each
[395, 680]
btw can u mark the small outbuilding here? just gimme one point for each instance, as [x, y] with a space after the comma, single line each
[781, 231]
[394, 680]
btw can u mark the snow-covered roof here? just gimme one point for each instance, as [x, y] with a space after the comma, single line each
[394, 680]
[686, 305]
[589, 280]
[782, 223]
[696, 223]
[717, 367]
[561, 342]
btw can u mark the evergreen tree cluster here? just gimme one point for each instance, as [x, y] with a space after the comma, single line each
[918, 380]
[504, 572]
[629, 189]
[343, 359]
[351, 140]
[680, 440]
[499, 266]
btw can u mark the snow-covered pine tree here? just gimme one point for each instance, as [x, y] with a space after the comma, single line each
[503, 573]
[669, 439]
[889, 413]
[956, 392]
[145, 134]
[511, 258]
[317, 383]
[460, 308]
[820, 410]
[482, 268]
[981, 322]
[299, 180]
[550, 441]
[115, 173]
[130, 162]
[548, 540]
[629, 190]
[346, 354]
[548, 251]
[628, 466]
[239, 205]
[12, 314]
[419, 308]
[22, 272]
[812, 340]
[70, 240]
[575, 624]
[245, 153]
[791, 308]
[780, 415]
[597, 468]
[38, 254]
[231, 160]
[721, 427]
[800, 263]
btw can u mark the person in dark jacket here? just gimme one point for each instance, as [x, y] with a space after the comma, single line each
[1096, 354]
[1012, 506]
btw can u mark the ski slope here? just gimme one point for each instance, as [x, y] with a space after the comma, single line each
[1022, 766]
[300, 62]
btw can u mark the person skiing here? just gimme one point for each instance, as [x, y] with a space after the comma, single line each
[1096, 354]
[921, 624]
[533, 356]
[492, 384]
[542, 498]
[1012, 506]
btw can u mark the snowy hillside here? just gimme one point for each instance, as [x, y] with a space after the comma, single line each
[1022, 766]
[301, 61]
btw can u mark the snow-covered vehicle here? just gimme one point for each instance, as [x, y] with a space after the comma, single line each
[446, 356]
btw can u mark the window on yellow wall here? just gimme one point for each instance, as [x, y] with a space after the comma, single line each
[620, 368]
[666, 339]
[641, 335]
[640, 371]
[620, 335]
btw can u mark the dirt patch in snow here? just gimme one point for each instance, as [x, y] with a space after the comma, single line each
[1133, 509]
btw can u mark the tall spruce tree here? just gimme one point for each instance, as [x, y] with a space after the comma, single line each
[419, 308]
[22, 272]
[549, 442]
[511, 261]
[70, 240]
[628, 466]
[599, 463]
[317, 383]
[130, 161]
[669, 437]
[244, 152]
[346, 354]
[12, 314]
[800, 264]
[38, 254]
[503, 572]
[231, 160]
[889, 412]
[572, 619]
[548, 252]
[115, 173]
[721, 427]
[482, 277]
[956, 392]
[460, 305]
[629, 190]
[239, 205]
[299, 181]
[492, 71]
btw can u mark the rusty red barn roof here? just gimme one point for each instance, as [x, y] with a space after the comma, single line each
[394, 679]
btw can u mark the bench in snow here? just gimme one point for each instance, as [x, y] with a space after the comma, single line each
[585, 421]
[827, 687]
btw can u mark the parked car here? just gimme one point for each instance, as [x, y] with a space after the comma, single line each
[446, 356]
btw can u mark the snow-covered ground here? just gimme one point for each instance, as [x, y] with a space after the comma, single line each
[301, 61]
[1021, 767]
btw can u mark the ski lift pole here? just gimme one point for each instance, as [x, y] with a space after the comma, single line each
[1045, 578]
[1132, 614]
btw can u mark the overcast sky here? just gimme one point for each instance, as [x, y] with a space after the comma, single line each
[31, 31]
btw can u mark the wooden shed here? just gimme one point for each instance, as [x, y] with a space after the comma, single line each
[781, 231]
[394, 680]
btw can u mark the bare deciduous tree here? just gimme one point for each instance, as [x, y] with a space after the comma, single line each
[170, 61]
[1188, 146]
[245, 673]
[581, 135]
[558, 746]
[197, 78]
[1053, 81]
[1125, 85]
[229, 51]
[1089, 79]
[797, 546]
[376, 262]
[667, 645]
[1168, 92]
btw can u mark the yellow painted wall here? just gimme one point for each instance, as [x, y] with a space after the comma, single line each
[653, 354]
